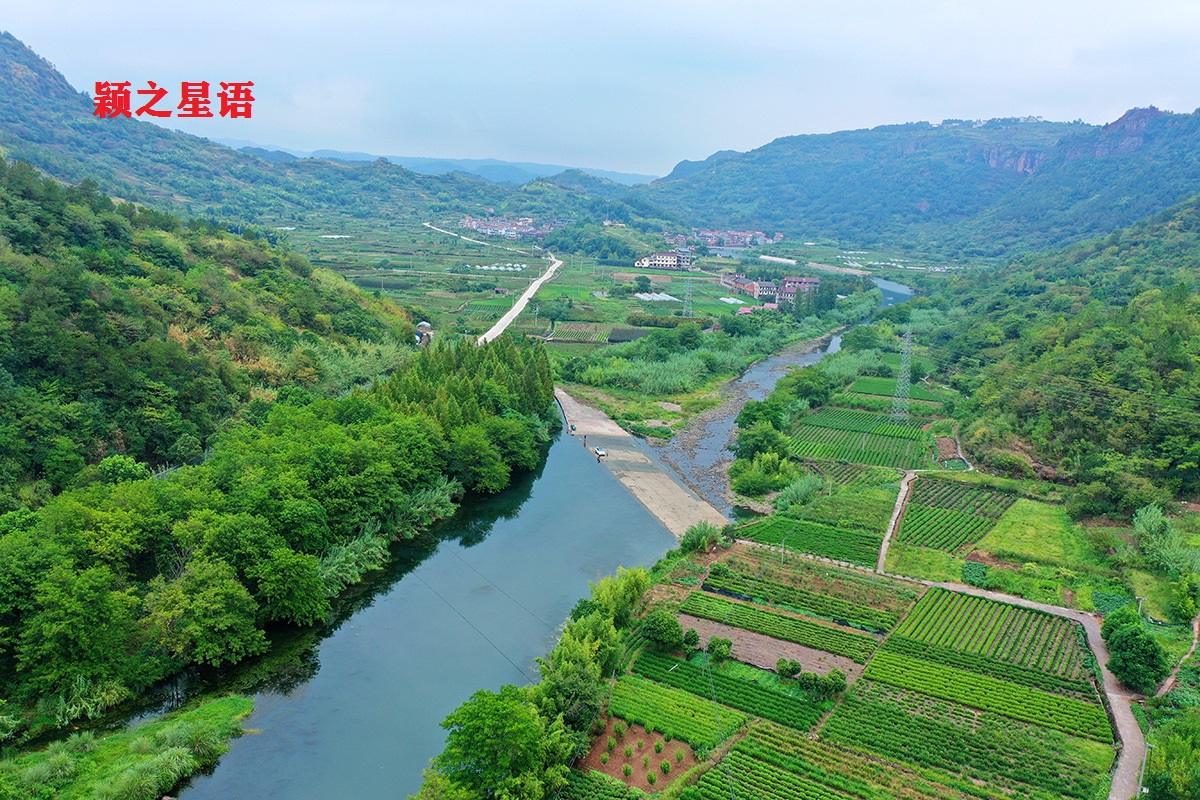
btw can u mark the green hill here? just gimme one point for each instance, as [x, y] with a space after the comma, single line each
[49, 124]
[988, 189]
[123, 332]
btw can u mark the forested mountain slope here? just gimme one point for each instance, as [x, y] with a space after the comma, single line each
[123, 332]
[127, 339]
[1003, 187]
[1086, 359]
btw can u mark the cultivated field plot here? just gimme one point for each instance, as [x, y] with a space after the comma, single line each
[856, 547]
[581, 332]
[779, 764]
[853, 476]
[867, 590]
[728, 690]
[1019, 636]
[849, 419]
[596, 786]
[1025, 760]
[812, 441]
[886, 387]
[674, 712]
[1023, 703]
[839, 641]
[755, 588]
[945, 515]
[866, 508]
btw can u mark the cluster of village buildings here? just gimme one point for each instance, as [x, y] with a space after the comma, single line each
[679, 258]
[521, 228]
[712, 238]
[783, 292]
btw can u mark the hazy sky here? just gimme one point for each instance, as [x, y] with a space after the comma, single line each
[623, 85]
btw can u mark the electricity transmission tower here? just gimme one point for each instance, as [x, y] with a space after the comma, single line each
[900, 403]
[687, 299]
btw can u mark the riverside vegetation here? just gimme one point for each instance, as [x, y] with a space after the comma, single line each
[127, 339]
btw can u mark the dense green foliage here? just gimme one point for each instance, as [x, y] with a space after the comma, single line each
[110, 587]
[122, 332]
[1137, 659]
[856, 547]
[1084, 359]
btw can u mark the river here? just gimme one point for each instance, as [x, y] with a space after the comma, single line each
[353, 710]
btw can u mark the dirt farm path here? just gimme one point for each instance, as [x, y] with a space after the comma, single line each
[897, 513]
[676, 506]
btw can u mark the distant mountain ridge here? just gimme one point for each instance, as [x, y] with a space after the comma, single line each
[990, 189]
[46, 122]
[492, 169]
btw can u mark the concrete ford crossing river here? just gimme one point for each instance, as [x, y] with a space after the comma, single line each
[354, 710]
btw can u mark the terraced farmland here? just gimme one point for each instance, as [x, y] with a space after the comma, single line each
[781, 764]
[856, 547]
[674, 712]
[945, 515]
[734, 692]
[757, 589]
[1029, 762]
[1024, 703]
[812, 441]
[839, 641]
[1020, 636]
[848, 419]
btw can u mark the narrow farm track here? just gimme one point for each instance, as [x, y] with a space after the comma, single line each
[1169, 683]
[910, 475]
[522, 301]
[1133, 743]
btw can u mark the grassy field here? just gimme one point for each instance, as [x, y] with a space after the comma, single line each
[1034, 531]
[136, 764]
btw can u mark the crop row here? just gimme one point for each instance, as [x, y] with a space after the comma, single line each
[734, 692]
[1021, 636]
[1026, 676]
[849, 419]
[857, 547]
[962, 497]
[1024, 703]
[855, 646]
[842, 768]
[743, 775]
[850, 476]
[673, 712]
[886, 387]
[901, 431]
[992, 758]
[581, 332]
[803, 601]
[594, 785]
[941, 528]
[810, 441]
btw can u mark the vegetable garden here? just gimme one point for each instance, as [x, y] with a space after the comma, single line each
[673, 712]
[856, 547]
[812, 441]
[1020, 636]
[1024, 703]
[1006, 757]
[730, 691]
[596, 786]
[802, 601]
[839, 641]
